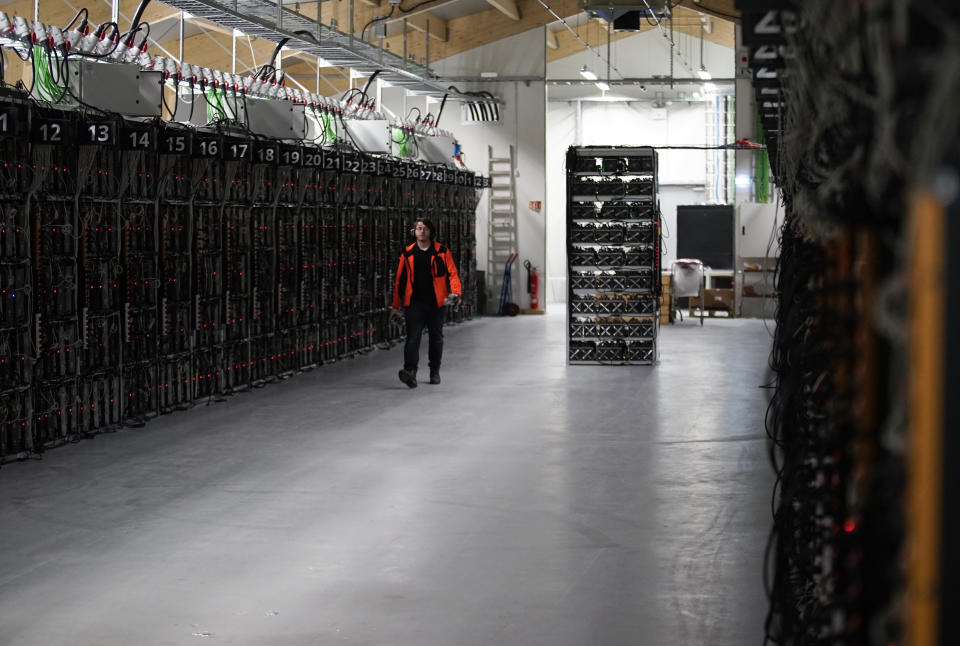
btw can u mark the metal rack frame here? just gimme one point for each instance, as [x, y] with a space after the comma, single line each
[613, 255]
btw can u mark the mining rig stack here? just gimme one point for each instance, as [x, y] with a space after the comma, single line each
[613, 255]
[148, 265]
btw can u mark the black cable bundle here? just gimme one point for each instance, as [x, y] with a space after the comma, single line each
[809, 427]
[854, 146]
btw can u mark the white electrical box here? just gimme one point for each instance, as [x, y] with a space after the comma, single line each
[117, 87]
[436, 150]
[277, 119]
[370, 136]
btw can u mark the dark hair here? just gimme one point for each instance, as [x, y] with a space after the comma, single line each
[427, 223]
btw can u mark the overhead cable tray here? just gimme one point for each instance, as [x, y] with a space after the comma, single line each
[261, 18]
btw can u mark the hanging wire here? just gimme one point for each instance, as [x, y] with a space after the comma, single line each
[664, 34]
[574, 32]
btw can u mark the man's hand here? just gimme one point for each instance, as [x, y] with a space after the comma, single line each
[394, 313]
[452, 300]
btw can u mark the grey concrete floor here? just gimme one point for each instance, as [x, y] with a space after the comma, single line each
[521, 502]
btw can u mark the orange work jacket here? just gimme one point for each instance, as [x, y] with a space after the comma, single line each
[441, 267]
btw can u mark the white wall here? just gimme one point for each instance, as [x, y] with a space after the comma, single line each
[682, 172]
[647, 54]
[541, 132]
[561, 134]
[640, 124]
[523, 127]
[518, 55]
[756, 220]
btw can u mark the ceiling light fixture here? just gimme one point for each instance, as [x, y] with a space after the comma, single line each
[705, 74]
[587, 73]
[603, 86]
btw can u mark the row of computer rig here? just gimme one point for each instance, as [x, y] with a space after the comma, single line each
[145, 266]
[613, 254]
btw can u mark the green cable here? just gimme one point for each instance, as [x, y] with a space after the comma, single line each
[403, 144]
[216, 109]
[761, 180]
[330, 135]
[45, 87]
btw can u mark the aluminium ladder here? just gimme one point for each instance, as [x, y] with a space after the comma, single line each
[501, 217]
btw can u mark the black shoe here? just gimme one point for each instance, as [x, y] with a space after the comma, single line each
[434, 377]
[409, 377]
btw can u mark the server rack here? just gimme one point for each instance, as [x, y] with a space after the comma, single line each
[613, 255]
[146, 266]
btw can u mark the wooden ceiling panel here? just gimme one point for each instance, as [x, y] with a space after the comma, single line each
[427, 22]
[502, 18]
[725, 9]
[507, 7]
[474, 30]
[684, 21]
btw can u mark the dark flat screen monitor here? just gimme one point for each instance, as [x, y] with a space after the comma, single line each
[706, 232]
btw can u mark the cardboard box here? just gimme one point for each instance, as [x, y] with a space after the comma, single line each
[716, 299]
[665, 299]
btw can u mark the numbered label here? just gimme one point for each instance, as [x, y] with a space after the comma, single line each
[138, 139]
[176, 143]
[769, 55]
[11, 118]
[461, 179]
[332, 160]
[400, 170]
[412, 172]
[50, 131]
[207, 147]
[291, 156]
[101, 133]
[449, 177]
[267, 154]
[313, 158]
[350, 165]
[368, 167]
[237, 150]
[768, 27]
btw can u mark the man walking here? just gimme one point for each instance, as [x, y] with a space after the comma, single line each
[421, 288]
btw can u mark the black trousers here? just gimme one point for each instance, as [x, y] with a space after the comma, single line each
[419, 316]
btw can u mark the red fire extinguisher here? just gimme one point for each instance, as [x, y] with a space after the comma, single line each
[533, 285]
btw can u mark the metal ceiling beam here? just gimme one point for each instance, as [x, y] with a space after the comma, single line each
[268, 20]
